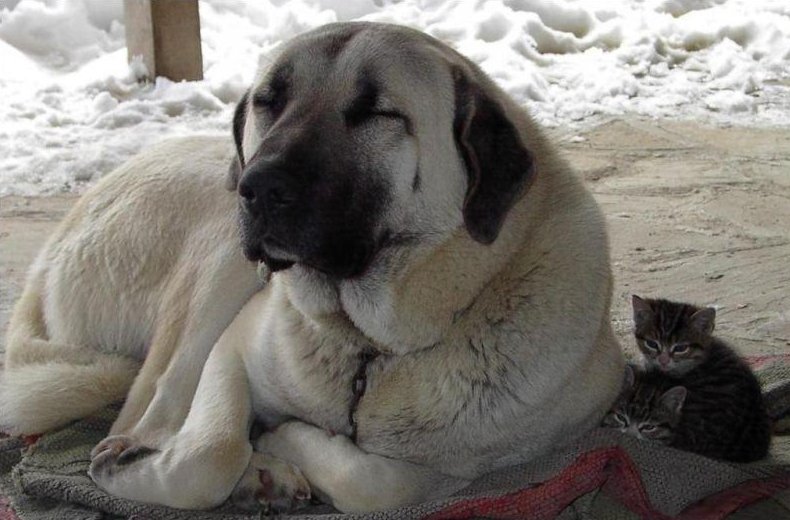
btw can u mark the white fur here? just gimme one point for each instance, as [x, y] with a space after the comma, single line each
[490, 354]
[147, 260]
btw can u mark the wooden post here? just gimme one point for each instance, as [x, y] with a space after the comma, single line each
[166, 33]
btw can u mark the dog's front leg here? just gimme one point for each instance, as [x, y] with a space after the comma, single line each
[197, 308]
[199, 466]
[349, 478]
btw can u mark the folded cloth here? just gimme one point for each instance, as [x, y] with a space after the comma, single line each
[774, 375]
[604, 475]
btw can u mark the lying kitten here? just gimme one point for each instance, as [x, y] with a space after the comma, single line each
[696, 393]
[648, 407]
[720, 416]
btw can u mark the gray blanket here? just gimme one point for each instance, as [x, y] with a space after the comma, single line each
[602, 475]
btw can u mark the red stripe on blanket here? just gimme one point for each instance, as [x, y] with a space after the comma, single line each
[6, 511]
[724, 503]
[613, 471]
[30, 440]
[760, 362]
[608, 468]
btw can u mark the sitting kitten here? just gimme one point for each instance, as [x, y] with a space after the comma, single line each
[673, 337]
[696, 393]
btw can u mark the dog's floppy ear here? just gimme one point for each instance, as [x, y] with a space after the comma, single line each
[237, 163]
[499, 167]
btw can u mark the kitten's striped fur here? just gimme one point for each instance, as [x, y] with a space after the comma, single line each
[722, 414]
[648, 408]
[673, 337]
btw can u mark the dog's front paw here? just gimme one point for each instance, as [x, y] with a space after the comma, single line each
[113, 454]
[272, 485]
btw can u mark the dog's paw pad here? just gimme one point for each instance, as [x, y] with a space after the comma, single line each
[272, 485]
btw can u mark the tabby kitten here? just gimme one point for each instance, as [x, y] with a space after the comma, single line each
[648, 408]
[673, 337]
[696, 393]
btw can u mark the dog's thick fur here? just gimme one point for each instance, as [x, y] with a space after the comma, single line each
[147, 264]
[405, 205]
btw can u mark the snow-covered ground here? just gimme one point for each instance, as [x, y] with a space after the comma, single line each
[71, 108]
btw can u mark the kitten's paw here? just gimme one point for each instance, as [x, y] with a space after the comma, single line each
[272, 485]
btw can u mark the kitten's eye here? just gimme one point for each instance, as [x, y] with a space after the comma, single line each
[680, 348]
[647, 428]
[652, 345]
[622, 419]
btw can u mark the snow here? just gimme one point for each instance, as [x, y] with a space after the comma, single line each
[73, 108]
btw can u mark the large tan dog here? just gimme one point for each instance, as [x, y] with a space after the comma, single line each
[438, 304]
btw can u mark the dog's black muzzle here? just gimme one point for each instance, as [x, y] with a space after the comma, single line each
[293, 209]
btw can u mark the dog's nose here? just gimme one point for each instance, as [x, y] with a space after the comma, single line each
[247, 193]
[260, 195]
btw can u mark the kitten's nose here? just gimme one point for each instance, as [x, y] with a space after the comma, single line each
[663, 359]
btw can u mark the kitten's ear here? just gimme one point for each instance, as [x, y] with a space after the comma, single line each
[703, 321]
[674, 398]
[237, 163]
[643, 312]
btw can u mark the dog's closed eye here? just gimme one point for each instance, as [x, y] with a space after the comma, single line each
[273, 96]
[270, 99]
[368, 106]
[358, 117]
